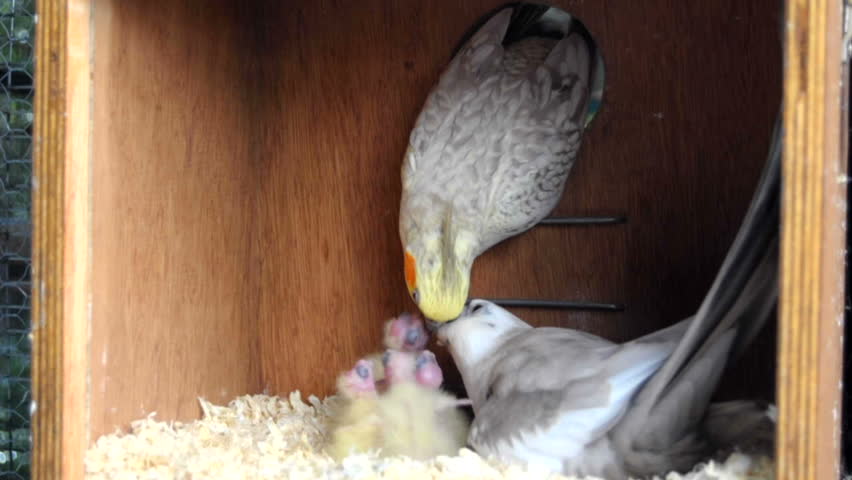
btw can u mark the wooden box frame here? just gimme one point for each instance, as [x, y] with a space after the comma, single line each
[814, 205]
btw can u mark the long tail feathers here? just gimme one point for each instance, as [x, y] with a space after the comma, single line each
[658, 428]
[752, 254]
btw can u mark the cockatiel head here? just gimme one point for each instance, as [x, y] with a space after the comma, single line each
[479, 329]
[406, 332]
[437, 273]
[358, 382]
[473, 338]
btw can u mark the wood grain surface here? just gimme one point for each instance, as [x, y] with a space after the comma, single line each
[692, 91]
[77, 255]
[246, 185]
[175, 286]
[812, 259]
[48, 194]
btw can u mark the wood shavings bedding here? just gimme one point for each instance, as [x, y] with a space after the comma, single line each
[267, 437]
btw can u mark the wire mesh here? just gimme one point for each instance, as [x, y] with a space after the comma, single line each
[17, 36]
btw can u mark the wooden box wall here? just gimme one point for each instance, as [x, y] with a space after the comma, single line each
[221, 188]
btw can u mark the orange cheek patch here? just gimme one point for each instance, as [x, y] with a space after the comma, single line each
[410, 271]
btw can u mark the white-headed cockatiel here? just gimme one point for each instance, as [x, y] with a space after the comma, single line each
[582, 405]
[491, 149]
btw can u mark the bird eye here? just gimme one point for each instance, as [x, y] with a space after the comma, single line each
[362, 371]
[412, 336]
[423, 359]
[477, 307]
[415, 295]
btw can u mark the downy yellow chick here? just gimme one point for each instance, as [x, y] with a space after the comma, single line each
[417, 419]
[355, 423]
[406, 333]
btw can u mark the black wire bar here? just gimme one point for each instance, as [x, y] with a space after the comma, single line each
[566, 304]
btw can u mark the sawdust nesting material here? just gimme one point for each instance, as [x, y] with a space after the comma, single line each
[267, 437]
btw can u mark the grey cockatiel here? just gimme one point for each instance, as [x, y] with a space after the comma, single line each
[491, 149]
[580, 404]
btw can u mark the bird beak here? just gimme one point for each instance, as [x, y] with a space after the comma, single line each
[435, 328]
[439, 340]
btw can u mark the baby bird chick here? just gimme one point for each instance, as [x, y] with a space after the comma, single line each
[417, 419]
[406, 333]
[399, 366]
[355, 423]
[421, 368]
[427, 372]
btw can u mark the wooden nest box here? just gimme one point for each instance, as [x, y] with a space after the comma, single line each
[217, 192]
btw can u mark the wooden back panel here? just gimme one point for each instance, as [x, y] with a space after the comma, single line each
[692, 92]
[246, 184]
[174, 289]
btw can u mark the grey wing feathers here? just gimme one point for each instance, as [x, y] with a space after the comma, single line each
[673, 418]
[667, 439]
[543, 140]
[505, 418]
[575, 386]
[459, 83]
[517, 405]
[540, 352]
[504, 125]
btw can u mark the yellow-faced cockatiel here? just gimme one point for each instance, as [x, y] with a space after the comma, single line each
[491, 149]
